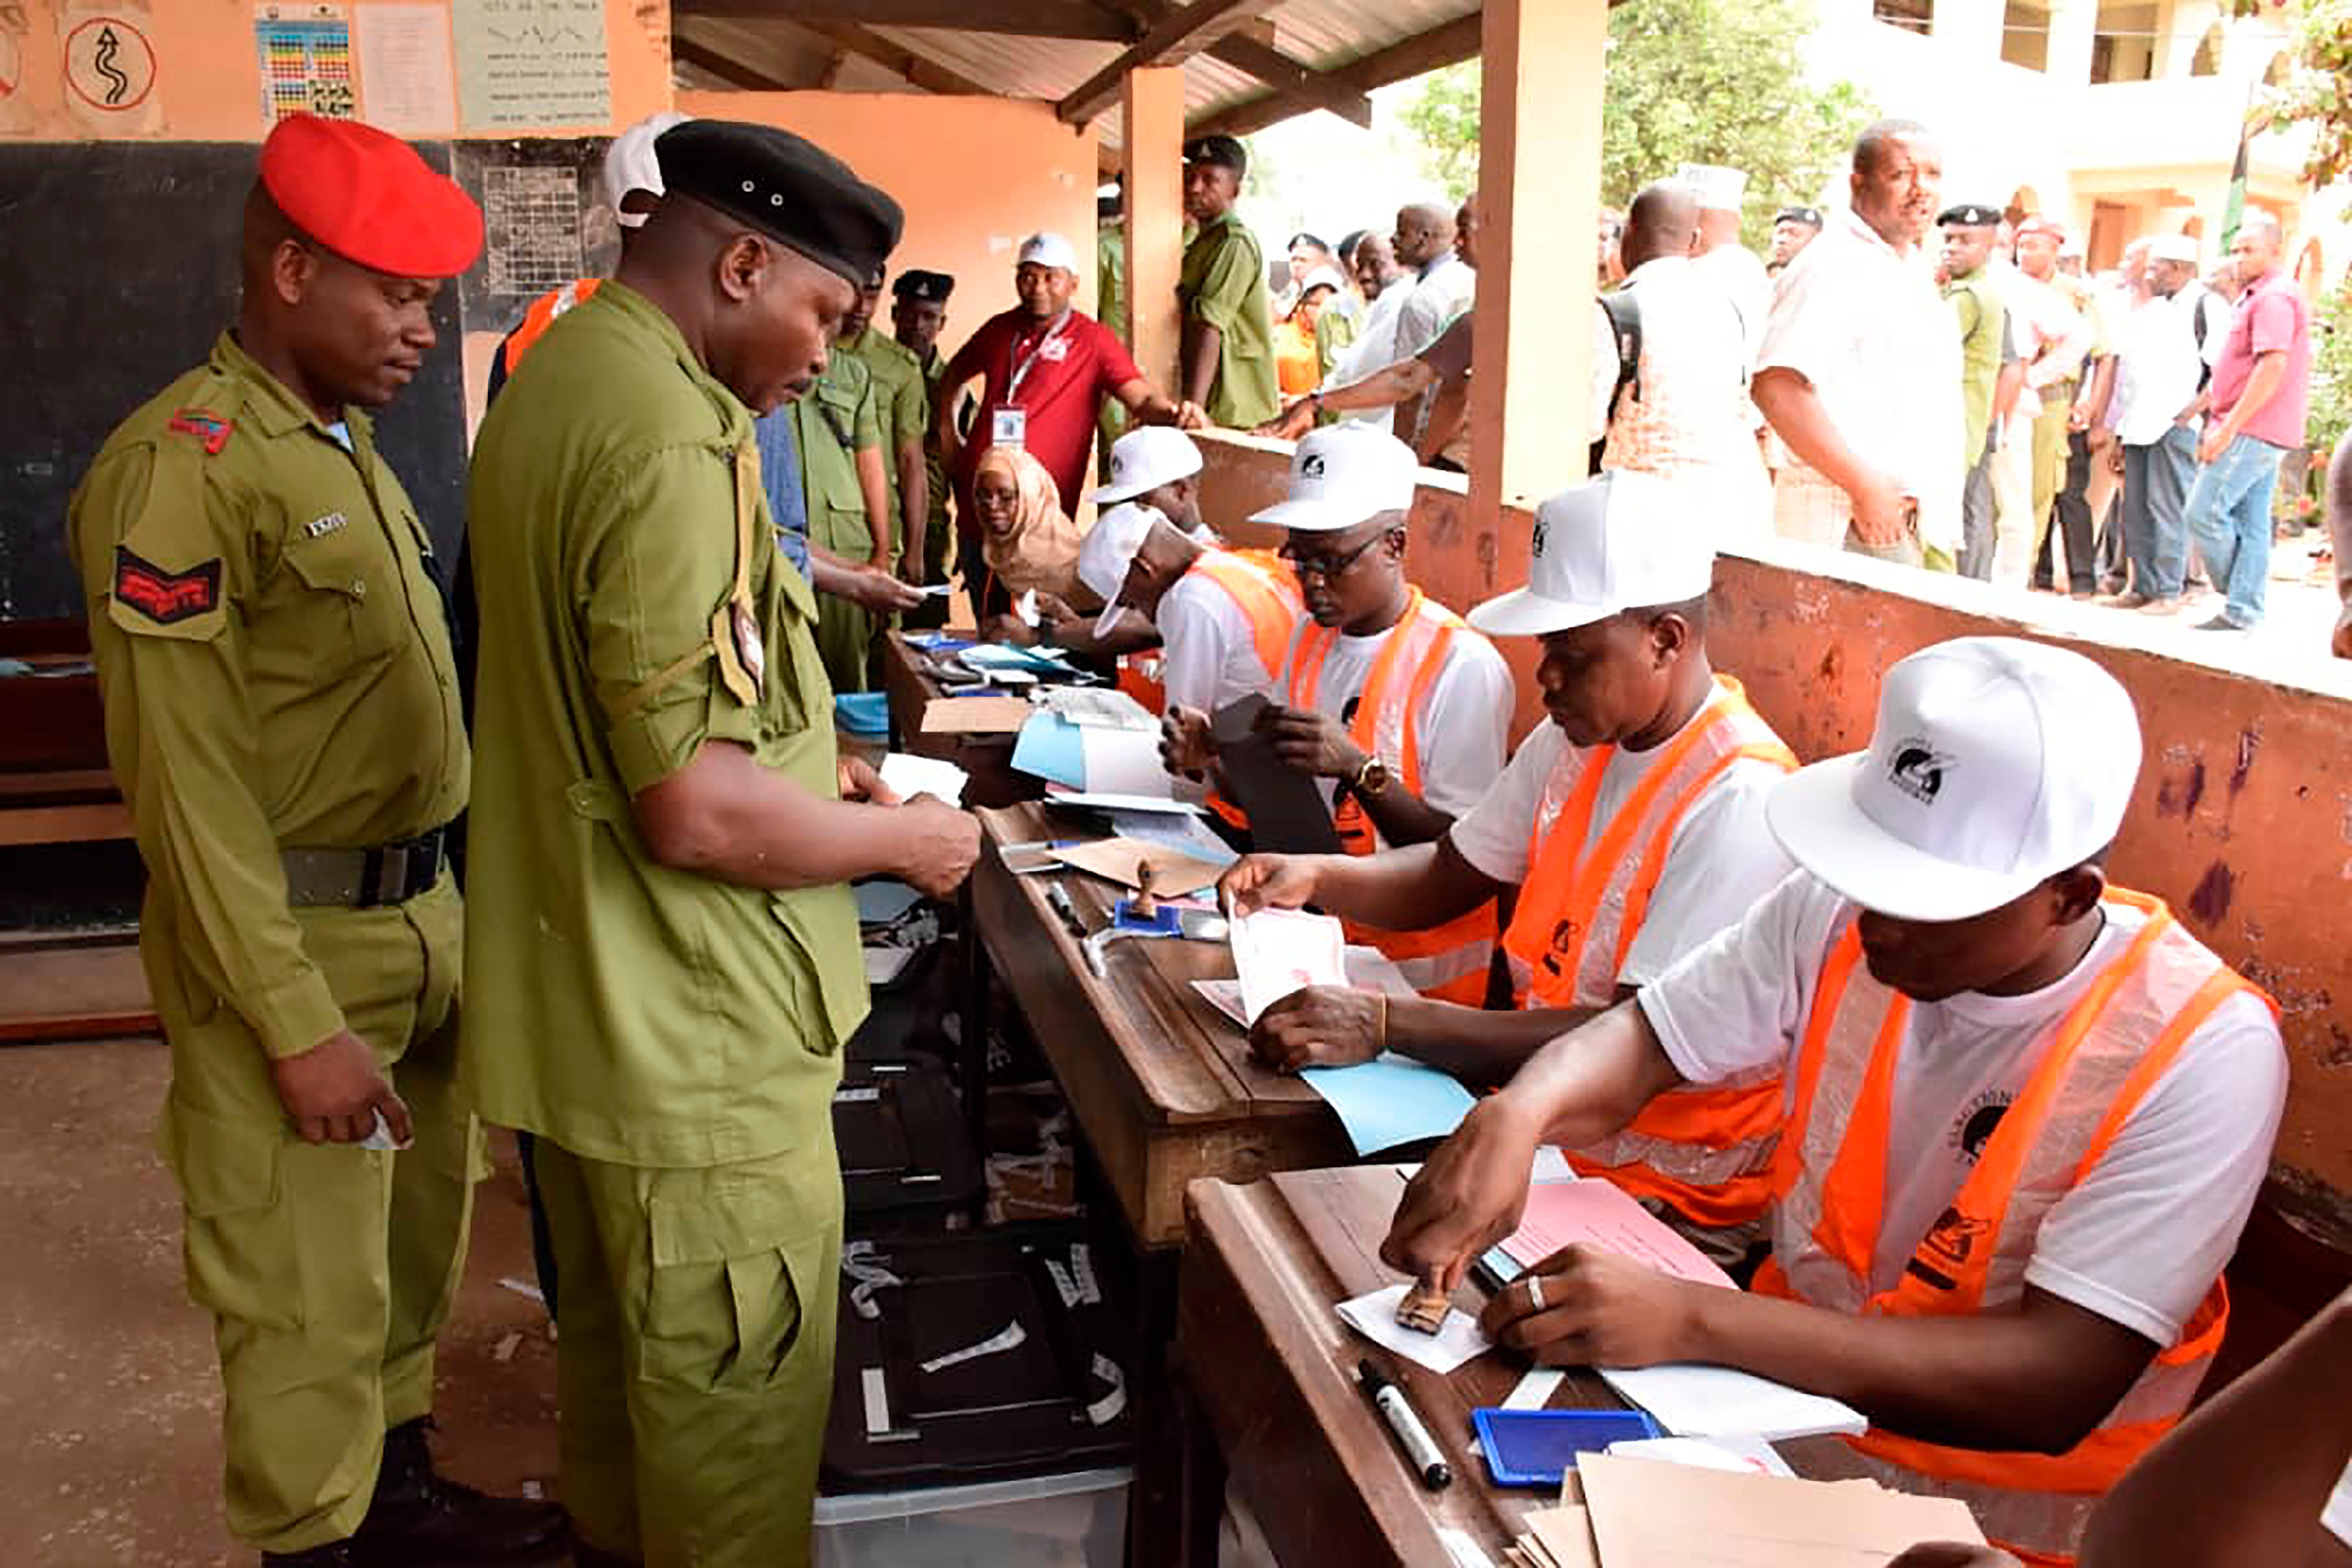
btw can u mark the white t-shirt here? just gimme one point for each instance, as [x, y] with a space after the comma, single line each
[2156, 369]
[1866, 327]
[2337, 1516]
[1464, 719]
[1738, 272]
[2140, 1241]
[1374, 349]
[1443, 291]
[1210, 652]
[1722, 857]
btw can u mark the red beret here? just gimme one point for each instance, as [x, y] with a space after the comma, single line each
[2049, 226]
[368, 197]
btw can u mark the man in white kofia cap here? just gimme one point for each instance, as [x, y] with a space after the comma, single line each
[2028, 1111]
[1396, 707]
[1632, 826]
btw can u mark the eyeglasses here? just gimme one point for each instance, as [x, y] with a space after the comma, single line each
[1327, 567]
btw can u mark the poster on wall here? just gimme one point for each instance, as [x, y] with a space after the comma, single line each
[15, 112]
[306, 61]
[532, 63]
[406, 70]
[531, 219]
[108, 55]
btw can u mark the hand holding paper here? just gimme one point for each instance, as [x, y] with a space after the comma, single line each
[1277, 951]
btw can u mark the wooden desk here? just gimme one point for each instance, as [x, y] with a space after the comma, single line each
[1270, 1377]
[1162, 1084]
[987, 758]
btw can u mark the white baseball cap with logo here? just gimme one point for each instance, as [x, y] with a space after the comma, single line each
[630, 165]
[2181, 247]
[1996, 764]
[1719, 189]
[1145, 458]
[1048, 250]
[1343, 475]
[1110, 546]
[1610, 544]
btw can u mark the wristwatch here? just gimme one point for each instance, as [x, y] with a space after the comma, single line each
[1372, 778]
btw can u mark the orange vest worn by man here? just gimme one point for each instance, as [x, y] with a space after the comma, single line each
[2028, 1113]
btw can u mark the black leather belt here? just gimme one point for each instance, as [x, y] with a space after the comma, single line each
[365, 878]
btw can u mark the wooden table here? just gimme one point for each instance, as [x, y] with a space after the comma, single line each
[1162, 1084]
[1270, 1381]
[987, 758]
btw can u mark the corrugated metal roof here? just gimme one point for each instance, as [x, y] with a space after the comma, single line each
[1323, 35]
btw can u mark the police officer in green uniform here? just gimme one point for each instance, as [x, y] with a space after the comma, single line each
[838, 429]
[918, 313]
[1228, 343]
[665, 948]
[902, 402]
[1970, 232]
[281, 711]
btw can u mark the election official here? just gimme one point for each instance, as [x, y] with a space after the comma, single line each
[666, 946]
[281, 712]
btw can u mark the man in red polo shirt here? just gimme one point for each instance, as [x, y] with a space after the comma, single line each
[1048, 366]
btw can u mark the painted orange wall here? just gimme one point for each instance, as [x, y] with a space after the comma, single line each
[2242, 821]
[208, 76]
[974, 175]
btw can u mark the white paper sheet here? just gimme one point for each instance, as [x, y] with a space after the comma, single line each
[1374, 1317]
[1107, 800]
[1751, 1454]
[1122, 761]
[911, 775]
[405, 68]
[1277, 952]
[1693, 1401]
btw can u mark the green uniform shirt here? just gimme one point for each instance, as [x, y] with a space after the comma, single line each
[632, 1012]
[275, 663]
[839, 418]
[934, 368]
[1977, 305]
[1222, 282]
[902, 401]
[1110, 280]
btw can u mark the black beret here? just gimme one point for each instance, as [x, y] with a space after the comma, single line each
[1810, 216]
[931, 287]
[785, 187]
[1224, 152]
[1970, 214]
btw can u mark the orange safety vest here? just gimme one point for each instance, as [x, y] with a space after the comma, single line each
[541, 316]
[2110, 1050]
[1449, 962]
[1707, 1150]
[1263, 584]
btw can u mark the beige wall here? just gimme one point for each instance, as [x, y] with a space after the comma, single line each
[974, 175]
[2243, 816]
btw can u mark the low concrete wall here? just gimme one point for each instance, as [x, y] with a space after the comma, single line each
[2243, 816]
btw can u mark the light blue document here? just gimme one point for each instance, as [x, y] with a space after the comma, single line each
[1391, 1099]
[1052, 748]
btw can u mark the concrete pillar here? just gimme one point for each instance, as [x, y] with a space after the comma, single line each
[2074, 24]
[1152, 128]
[2189, 22]
[1970, 29]
[1540, 207]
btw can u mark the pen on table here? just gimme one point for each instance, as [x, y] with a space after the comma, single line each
[1405, 1423]
[1060, 900]
[1039, 846]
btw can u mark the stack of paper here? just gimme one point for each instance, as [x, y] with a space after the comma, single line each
[1277, 952]
[1644, 1514]
[1097, 757]
[911, 775]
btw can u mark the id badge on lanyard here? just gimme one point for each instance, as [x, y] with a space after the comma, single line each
[1009, 426]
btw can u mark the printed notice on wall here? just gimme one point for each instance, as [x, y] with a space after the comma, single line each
[405, 67]
[525, 63]
[15, 104]
[531, 218]
[111, 65]
[306, 61]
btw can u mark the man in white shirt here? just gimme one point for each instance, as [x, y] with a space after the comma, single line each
[1396, 707]
[1859, 370]
[2160, 369]
[1718, 256]
[1685, 415]
[1631, 826]
[2029, 1114]
[1382, 283]
[1443, 284]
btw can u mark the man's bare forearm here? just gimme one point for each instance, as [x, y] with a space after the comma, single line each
[1413, 888]
[914, 499]
[1205, 346]
[1482, 1049]
[1794, 410]
[725, 818]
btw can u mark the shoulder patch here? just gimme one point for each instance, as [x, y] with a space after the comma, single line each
[211, 431]
[166, 598]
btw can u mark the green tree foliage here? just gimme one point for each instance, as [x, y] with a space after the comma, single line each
[1690, 81]
[2318, 90]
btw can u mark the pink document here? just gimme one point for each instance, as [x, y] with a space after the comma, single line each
[1598, 1213]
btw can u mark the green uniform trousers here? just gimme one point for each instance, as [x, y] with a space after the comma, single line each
[2050, 456]
[846, 634]
[328, 1268]
[696, 1363]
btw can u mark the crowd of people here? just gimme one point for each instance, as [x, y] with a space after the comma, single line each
[1984, 1126]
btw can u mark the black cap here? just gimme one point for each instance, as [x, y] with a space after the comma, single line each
[785, 187]
[1970, 214]
[1223, 152]
[928, 288]
[1810, 216]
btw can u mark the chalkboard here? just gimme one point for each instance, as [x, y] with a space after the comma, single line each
[118, 268]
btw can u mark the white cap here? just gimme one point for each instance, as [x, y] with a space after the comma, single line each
[630, 165]
[1343, 475]
[1109, 547]
[1995, 764]
[1145, 458]
[1719, 189]
[2180, 248]
[1323, 277]
[1609, 544]
[1048, 251]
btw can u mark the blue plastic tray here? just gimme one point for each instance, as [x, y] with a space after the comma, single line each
[1537, 1447]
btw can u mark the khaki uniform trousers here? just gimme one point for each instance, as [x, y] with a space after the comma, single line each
[696, 1365]
[329, 1269]
[2050, 457]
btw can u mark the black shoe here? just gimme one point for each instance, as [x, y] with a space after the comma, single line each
[418, 1516]
[2219, 624]
[334, 1554]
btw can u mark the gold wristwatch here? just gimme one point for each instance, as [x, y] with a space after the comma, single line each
[1372, 778]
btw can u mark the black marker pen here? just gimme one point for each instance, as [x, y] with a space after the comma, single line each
[1420, 1449]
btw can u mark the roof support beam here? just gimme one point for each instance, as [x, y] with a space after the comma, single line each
[920, 69]
[1441, 45]
[1173, 40]
[1301, 85]
[688, 51]
[1025, 18]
